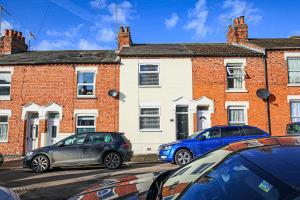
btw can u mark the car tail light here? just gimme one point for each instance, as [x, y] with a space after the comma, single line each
[126, 145]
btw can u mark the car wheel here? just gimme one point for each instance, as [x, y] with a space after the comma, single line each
[112, 160]
[40, 164]
[182, 157]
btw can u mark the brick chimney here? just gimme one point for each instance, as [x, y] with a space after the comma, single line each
[12, 42]
[124, 38]
[238, 32]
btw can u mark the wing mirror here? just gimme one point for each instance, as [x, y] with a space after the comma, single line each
[202, 137]
[60, 144]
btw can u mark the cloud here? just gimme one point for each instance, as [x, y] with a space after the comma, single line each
[5, 25]
[294, 33]
[236, 8]
[125, 10]
[71, 33]
[88, 45]
[98, 4]
[172, 21]
[198, 19]
[53, 45]
[106, 35]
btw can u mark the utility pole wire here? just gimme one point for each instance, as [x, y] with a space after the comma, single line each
[2, 9]
[42, 23]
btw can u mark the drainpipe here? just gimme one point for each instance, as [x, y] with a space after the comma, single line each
[267, 87]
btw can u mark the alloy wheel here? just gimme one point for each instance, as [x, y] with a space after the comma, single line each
[40, 164]
[112, 160]
[183, 157]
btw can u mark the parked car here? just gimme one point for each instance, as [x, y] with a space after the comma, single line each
[1, 159]
[183, 151]
[7, 194]
[258, 169]
[109, 149]
[293, 128]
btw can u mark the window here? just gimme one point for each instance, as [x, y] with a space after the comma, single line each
[236, 115]
[253, 131]
[294, 70]
[86, 84]
[148, 75]
[149, 118]
[212, 133]
[76, 139]
[54, 131]
[235, 76]
[3, 128]
[99, 138]
[85, 124]
[295, 111]
[5, 85]
[231, 132]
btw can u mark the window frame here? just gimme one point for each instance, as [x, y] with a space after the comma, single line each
[151, 115]
[288, 70]
[85, 115]
[291, 102]
[86, 84]
[237, 107]
[6, 97]
[5, 123]
[232, 65]
[149, 72]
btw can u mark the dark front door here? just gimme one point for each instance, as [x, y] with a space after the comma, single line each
[70, 152]
[96, 144]
[182, 122]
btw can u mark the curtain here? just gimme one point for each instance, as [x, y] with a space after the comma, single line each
[238, 81]
[3, 132]
[295, 111]
[294, 70]
[236, 116]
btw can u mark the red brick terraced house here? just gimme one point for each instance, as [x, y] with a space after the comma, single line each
[48, 95]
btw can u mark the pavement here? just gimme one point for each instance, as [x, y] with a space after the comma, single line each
[60, 184]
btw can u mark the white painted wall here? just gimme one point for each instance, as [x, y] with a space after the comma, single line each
[175, 82]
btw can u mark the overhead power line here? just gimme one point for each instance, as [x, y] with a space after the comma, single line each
[2, 10]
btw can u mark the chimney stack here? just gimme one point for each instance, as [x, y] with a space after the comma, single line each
[12, 42]
[124, 37]
[238, 32]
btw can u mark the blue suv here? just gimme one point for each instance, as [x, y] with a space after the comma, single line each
[183, 151]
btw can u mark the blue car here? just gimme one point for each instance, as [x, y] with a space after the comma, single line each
[183, 151]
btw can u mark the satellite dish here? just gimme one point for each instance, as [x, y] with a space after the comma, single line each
[113, 93]
[263, 93]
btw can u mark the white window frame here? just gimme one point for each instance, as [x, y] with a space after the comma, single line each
[238, 108]
[158, 115]
[231, 66]
[293, 101]
[86, 115]
[149, 72]
[6, 70]
[87, 84]
[1, 123]
[288, 70]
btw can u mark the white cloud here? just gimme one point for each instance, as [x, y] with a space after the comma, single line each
[125, 10]
[87, 45]
[237, 8]
[53, 45]
[71, 33]
[106, 35]
[98, 4]
[198, 19]
[172, 21]
[5, 25]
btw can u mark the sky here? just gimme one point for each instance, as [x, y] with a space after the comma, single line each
[92, 24]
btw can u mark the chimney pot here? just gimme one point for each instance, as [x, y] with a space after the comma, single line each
[236, 22]
[127, 29]
[6, 32]
[242, 20]
[121, 29]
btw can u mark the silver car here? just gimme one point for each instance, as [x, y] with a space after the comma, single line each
[7, 194]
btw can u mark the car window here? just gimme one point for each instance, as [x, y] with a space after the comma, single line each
[231, 132]
[253, 131]
[233, 180]
[76, 139]
[99, 138]
[212, 133]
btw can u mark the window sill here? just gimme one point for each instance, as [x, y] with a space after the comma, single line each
[293, 85]
[149, 86]
[86, 97]
[150, 130]
[5, 98]
[3, 141]
[237, 91]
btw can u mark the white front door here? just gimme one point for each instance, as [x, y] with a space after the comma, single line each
[32, 134]
[52, 131]
[203, 119]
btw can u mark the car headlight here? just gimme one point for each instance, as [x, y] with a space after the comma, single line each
[167, 147]
[29, 154]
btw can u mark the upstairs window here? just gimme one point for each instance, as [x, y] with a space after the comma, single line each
[235, 76]
[237, 115]
[86, 84]
[149, 118]
[295, 111]
[294, 70]
[148, 75]
[3, 128]
[5, 85]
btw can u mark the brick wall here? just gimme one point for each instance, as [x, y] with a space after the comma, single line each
[44, 84]
[209, 79]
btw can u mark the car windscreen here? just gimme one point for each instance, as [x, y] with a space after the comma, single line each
[235, 178]
[293, 129]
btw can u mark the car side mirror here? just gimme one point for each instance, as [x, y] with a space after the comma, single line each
[202, 137]
[60, 144]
